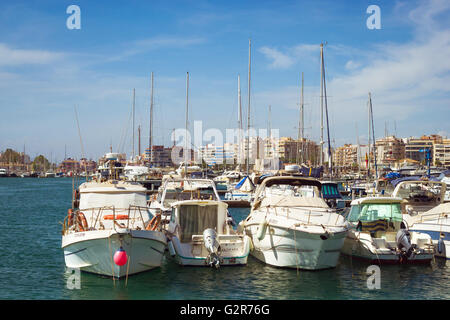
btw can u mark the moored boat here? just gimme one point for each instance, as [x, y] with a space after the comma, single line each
[292, 230]
[379, 235]
[200, 232]
[111, 232]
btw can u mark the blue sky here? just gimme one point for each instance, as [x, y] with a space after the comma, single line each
[47, 69]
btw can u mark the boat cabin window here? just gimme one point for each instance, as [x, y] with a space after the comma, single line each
[172, 197]
[375, 211]
[194, 219]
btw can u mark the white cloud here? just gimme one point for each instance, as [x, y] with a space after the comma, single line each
[160, 42]
[14, 57]
[408, 81]
[279, 60]
[351, 65]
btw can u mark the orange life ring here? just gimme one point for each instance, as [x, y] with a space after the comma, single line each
[82, 222]
[70, 217]
[118, 217]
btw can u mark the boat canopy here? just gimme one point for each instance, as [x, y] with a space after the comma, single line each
[330, 191]
[395, 182]
[293, 201]
[311, 172]
[245, 184]
[194, 217]
[118, 200]
[393, 175]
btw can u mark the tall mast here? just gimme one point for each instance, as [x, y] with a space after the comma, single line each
[248, 112]
[321, 104]
[139, 140]
[358, 149]
[240, 127]
[134, 100]
[330, 160]
[301, 130]
[373, 137]
[270, 129]
[186, 128]
[150, 142]
[368, 139]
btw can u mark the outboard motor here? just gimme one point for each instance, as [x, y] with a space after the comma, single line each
[403, 240]
[213, 247]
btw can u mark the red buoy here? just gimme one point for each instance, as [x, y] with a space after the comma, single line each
[120, 257]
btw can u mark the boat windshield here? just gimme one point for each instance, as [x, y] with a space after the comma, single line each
[118, 200]
[375, 211]
[195, 219]
[422, 192]
[174, 196]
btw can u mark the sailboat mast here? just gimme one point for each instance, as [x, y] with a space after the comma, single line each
[301, 132]
[368, 139]
[270, 131]
[373, 137]
[239, 122]
[330, 160]
[186, 126]
[358, 149]
[139, 141]
[248, 112]
[134, 101]
[321, 103]
[150, 142]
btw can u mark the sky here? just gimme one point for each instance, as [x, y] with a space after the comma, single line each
[50, 74]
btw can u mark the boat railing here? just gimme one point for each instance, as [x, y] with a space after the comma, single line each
[305, 218]
[133, 213]
[433, 216]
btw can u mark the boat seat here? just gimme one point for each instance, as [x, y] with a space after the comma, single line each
[390, 236]
[380, 243]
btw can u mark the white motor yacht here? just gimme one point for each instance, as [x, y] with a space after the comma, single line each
[112, 220]
[291, 230]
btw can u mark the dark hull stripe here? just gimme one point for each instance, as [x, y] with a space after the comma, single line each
[68, 254]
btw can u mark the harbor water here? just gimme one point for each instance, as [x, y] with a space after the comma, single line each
[32, 264]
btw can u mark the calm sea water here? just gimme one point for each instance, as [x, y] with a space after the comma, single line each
[32, 264]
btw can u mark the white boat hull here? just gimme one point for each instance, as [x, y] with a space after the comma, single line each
[436, 232]
[195, 254]
[294, 248]
[364, 249]
[93, 251]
